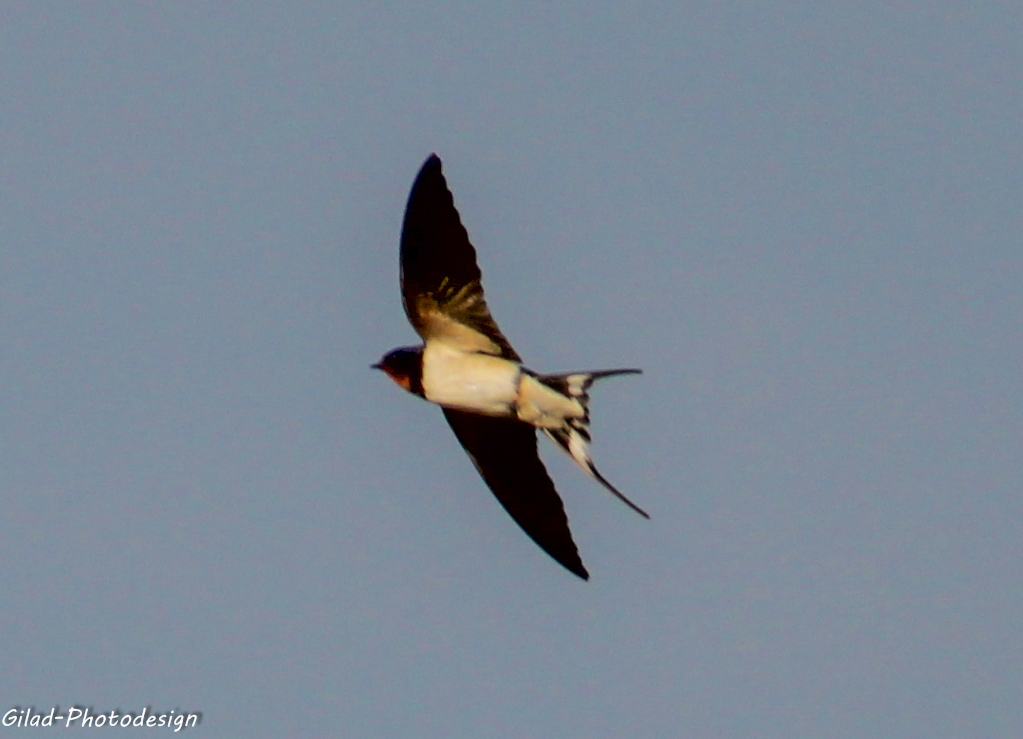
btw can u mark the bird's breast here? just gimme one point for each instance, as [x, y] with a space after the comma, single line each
[481, 383]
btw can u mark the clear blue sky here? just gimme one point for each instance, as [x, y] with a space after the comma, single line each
[803, 220]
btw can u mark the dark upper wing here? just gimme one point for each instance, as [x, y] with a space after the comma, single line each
[504, 452]
[440, 281]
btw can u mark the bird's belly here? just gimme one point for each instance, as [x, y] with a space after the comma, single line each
[481, 383]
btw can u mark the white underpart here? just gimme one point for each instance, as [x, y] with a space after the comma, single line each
[577, 383]
[470, 381]
[545, 407]
[580, 451]
[483, 383]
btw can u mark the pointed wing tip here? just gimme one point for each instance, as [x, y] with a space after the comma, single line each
[430, 166]
[572, 564]
[570, 560]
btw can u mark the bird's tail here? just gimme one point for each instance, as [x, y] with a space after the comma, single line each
[574, 436]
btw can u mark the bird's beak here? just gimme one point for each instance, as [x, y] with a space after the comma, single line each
[376, 366]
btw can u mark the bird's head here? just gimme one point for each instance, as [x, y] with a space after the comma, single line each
[405, 367]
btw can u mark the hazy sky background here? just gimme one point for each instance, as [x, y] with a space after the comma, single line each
[803, 220]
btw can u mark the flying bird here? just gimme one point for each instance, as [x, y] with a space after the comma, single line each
[465, 365]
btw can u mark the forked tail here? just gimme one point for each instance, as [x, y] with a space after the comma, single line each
[574, 436]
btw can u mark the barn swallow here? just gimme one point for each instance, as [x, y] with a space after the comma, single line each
[465, 365]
